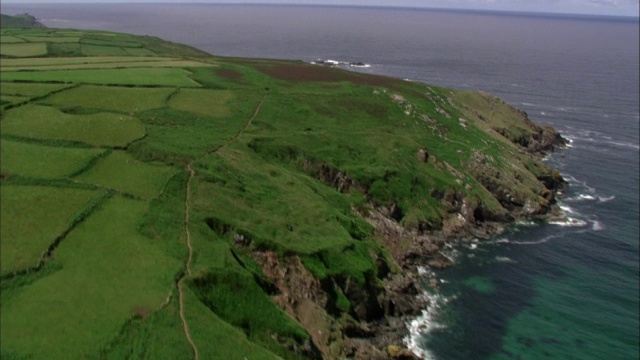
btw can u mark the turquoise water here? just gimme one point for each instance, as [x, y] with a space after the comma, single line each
[539, 291]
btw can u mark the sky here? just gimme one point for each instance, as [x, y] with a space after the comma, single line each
[591, 7]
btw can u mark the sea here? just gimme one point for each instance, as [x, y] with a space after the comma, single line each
[540, 290]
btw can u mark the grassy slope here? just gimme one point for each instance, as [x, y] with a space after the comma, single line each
[286, 158]
[24, 21]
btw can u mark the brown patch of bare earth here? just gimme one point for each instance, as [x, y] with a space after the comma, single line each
[229, 74]
[141, 312]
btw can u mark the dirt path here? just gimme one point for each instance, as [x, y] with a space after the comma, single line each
[255, 113]
[185, 326]
[192, 173]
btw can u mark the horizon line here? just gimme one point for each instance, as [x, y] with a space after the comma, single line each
[578, 15]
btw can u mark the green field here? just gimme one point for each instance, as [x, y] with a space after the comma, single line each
[30, 90]
[8, 39]
[32, 218]
[53, 39]
[203, 102]
[45, 122]
[23, 50]
[135, 276]
[110, 65]
[122, 172]
[109, 98]
[141, 77]
[78, 60]
[265, 201]
[44, 162]
[12, 99]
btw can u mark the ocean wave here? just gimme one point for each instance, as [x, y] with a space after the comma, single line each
[527, 223]
[597, 226]
[573, 181]
[424, 324]
[569, 221]
[595, 137]
[504, 259]
[536, 242]
[606, 198]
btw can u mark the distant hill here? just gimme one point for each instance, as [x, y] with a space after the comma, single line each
[20, 21]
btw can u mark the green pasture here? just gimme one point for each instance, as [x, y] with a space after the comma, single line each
[53, 39]
[111, 42]
[111, 65]
[216, 338]
[9, 39]
[63, 49]
[203, 102]
[109, 273]
[23, 49]
[32, 218]
[139, 52]
[236, 298]
[211, 251]
[158, 336]
[101, 50]
[175, 137]
[45, 162]
[12, 99]
[30, 90]
[53, 61]
[141, 77]
[111, 98]
[45, 122]
[122, 172]
[296, 219]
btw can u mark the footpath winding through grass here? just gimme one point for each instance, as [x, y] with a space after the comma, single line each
[188, 262]
[188, 233]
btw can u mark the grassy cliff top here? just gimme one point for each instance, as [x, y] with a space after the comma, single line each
[21, 21]
[149, 187]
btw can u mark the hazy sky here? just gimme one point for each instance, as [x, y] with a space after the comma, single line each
[600, 7]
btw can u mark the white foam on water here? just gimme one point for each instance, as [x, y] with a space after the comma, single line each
[606, 198]
[573, 181]
[567, 209]
[586, 197]
[623, 144]
[503, 241]
[504, 259]
[569, 221]
[536, 242]
[423, 325]
[525, 223]
[597, 226]
[582, 197]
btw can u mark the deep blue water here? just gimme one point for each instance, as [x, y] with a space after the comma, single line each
[539, 291]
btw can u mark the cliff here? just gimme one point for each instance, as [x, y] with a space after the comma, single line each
[23, 21]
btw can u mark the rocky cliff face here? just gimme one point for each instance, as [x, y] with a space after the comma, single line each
[374, 325]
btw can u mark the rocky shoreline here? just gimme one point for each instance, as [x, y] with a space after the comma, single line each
[377, 325]
[391, 333]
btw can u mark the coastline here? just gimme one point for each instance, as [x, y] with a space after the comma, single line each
[420, 298]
